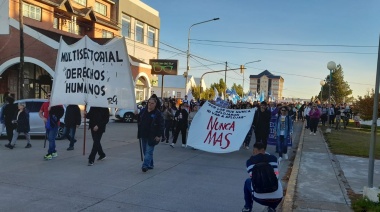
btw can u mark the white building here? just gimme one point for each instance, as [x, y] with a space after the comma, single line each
[174, 85]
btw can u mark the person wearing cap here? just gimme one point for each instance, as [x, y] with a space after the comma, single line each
[261, 123]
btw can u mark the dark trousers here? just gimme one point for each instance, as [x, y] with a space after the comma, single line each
[307, 122]
[249, 198]
[9, 128]
[331, 119]
[324, 119]
[247, 139]
[314, 124]
[262, 137]
[168, 127]
[96, 146]
[181, 129]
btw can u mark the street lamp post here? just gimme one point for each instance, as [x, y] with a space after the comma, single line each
[330, 66]
[188, 48]
[242, 71]
[322, 83]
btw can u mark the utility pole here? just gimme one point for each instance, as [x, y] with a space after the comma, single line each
[21, 66]
[225, 80]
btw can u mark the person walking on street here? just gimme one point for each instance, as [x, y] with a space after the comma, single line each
[283, 129]
[181, 118]
[270, 199]
[314, 115]
[9, 111]
[261, 124]
[21, 120]
[307, 116]
[98, 119]
[52, 125]
[168, 119]
[72, 122]
[150, 130]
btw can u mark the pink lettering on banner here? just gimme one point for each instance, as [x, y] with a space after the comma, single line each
[219, 137]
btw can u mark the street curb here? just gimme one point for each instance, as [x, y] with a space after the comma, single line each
[288, 202]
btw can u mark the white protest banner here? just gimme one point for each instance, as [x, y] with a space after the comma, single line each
[87, 73]
[219, 130]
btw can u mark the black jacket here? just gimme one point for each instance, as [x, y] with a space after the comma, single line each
[9, 112]
[261, 121]
[98, 116]
[183, 122]
[151, 124]
[72, 116]
[22, 121]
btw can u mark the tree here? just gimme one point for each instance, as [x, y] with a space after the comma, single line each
[221, 86]
[364, 106]
[340, 89]
[237, 88]
[196, 91]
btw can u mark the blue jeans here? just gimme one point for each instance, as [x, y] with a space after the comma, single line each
[70, 134]
[282, 146]
[51, 134]
[148, 154]
[249, 198]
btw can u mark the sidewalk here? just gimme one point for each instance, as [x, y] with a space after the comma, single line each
[316, 182]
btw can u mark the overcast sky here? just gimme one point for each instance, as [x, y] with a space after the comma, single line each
[294, 39]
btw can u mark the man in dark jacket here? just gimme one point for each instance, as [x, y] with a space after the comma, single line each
[72, 121]
[150, 131]
[261, 124]
[99, 117]
[9, 111]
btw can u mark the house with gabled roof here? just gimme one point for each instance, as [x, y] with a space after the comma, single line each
[173, 86]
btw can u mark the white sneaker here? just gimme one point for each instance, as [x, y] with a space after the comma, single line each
[315, 134]
[279, 160]
[172, 145]
[183, 145]
[285, 156]
[246, 147]
[310, 133]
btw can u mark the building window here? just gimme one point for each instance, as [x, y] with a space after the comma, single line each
[258, 85]
[151, 36]
[139, 31]
[126, 26]
[56, 23]
[100, 8]
[31, 11]
[73, 27]
[82, 2]
[107, 34]
[178, 95]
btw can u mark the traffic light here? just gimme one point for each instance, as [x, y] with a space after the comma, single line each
[241, 69]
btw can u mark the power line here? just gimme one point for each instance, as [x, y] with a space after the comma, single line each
[284, 50]
[287, 44]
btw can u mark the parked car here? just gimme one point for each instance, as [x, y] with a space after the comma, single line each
[37, 126]
[125, 115]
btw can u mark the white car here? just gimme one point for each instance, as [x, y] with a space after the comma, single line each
[37, 126]
[125, 115]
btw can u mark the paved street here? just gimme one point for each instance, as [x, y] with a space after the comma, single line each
[183, 179]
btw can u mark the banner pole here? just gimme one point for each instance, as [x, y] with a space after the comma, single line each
[84, 128]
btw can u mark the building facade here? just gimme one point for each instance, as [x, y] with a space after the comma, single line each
[46, 21]
[267, 83]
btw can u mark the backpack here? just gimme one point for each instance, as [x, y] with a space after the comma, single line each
[264, 179]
